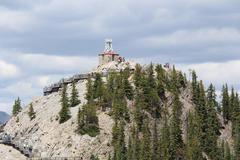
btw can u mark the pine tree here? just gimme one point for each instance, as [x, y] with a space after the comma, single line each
[98, 87]
[212, 132]
[201, 111]
[74, 101]
[128, 89]
[133, 145]
[161, 80]
[174, 81]
[155, 142]
[151, 97]
[89, 92]
[137, 75]
[195, 87]
[237, 139]
[64, 113]
[146, 142]
[88, 120]
[119, 109]
[225, 103]
[164, 140]
[235, 114]
[138, 112]
[120, 150]
[175, 128]
[16, 107]
[231, 104]
[31, 112]
[193, 149]
[181, 80]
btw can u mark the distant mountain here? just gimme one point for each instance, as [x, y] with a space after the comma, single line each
[3, 117]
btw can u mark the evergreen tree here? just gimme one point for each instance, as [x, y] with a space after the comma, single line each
[137, 75]
[120, 109]
[31, 112]
[146, 142]
[16, 107]
[195, 87]
[164, 140]
[138, 112]
[64, 113]
[231, 104]
[74, 101]
[237, 141]
[201, 111]
[128, 89]
[88, 120]
[213, 124]
[235, 114]
[161, 80]
[193, 149]
[225, 103]
[176, 140]
[120, 151]
[155, 143]
[98, 87]
[151, 97]
[89, 92]
[133, 145]
[181, 80]
[174, 80]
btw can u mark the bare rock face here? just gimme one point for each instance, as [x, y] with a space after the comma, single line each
[51, 139]
[115, 66]
[9, 153]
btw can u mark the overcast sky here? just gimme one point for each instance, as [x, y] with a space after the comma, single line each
[42, 41]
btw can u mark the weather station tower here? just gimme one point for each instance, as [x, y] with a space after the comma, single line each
[108, 54]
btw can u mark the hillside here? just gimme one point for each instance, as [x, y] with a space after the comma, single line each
[51, 139]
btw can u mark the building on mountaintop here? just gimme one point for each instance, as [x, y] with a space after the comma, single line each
[108, 54]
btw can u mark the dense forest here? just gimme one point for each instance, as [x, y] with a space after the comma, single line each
[148, 115]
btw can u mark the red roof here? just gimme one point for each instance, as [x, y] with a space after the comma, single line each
[110, 53]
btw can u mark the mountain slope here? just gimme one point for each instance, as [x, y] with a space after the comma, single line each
[51, 139]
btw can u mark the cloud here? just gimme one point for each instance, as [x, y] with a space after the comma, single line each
[6, 107]
[216, 73]
[8, 70]
[194, 38]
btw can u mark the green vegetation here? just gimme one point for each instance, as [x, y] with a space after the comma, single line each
[31, 112]
[16, 107]
[149, 102]
[87, 116]
[64, 113]
[74, 100]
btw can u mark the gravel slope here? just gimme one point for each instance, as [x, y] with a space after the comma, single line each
[9, 153]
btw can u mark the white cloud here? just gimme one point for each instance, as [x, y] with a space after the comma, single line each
[6, 107]
[20, 88]
[216, 73]
[8, 70]
[59, 64]
[13, 20]
[197, 37]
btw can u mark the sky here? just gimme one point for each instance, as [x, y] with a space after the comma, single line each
[42, 41]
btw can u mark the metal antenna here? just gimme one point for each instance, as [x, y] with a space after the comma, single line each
[108, 45]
